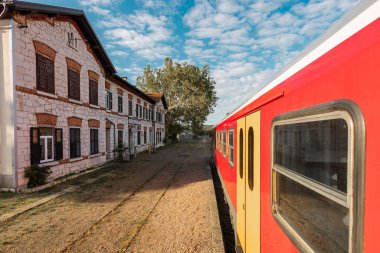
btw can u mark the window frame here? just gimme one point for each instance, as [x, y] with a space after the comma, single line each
[70, 85]
[95, 141]
[120, 138]
[130, 107]
[224, 142]
[340, 109]
[120, 104]
[93, 93]
[108, 99]
[39, 83]
[231, 130]
[80, 144]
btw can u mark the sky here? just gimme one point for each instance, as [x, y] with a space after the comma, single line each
[244, 42]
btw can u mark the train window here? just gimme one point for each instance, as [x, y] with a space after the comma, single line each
[224, 142]
[250, 158]
[312, 170]
[241, 152]
[231, 147]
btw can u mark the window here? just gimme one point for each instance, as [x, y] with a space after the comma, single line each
[144, 137]
[94, 141]
[231, 147]
[46, 145]
[45, 74]
[224, 142]
[130, 109]
[73, 78]
[138, 137]
[93, 86]
[120, 141]
[72, 42]
[120, 104]
[108, 99]
[75, 148]
[312, 180]
[241, 153]
[137, 110]
[140, 113]
[144, 113]
[250, 158]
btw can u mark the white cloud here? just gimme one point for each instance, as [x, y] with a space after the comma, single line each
[119, 53]
[141, 33]
[100, 11]
[99, 2]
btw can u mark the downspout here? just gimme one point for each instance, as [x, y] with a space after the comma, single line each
[114, 135]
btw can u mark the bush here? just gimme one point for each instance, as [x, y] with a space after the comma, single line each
[37, 175]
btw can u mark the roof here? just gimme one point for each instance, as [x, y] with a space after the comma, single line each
[157, 97]
[130, 87]
[79, 17]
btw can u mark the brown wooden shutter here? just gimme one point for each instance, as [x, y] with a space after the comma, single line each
[35, 148]
[93, 92]
[45, 74]
[58, 144]
[73, 79]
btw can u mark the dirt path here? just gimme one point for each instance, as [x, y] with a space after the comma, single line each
[158, 203]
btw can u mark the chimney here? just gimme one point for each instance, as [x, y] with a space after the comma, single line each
[125, 78]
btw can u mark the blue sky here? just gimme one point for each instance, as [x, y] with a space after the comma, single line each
[245, 42]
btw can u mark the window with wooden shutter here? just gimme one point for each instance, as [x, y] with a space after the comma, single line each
[94, 141]
[93, 92]
[45, 74]
[58, 144]
[130, 107]
[73, 79]
[35, 148]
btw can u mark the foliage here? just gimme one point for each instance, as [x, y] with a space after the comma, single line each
[37, 175]
[189, 92]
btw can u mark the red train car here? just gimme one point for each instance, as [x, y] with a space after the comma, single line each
[299, 162]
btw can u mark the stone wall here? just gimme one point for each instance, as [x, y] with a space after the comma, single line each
[39, 109]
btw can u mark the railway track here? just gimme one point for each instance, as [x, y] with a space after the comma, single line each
[109, 217]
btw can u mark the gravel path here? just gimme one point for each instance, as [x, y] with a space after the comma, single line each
[157, 203]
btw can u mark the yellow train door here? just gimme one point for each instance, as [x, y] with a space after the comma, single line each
[248, 183]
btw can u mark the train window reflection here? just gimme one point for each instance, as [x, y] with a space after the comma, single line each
[241, 150]
[310, 180]
[316, 150]
[250, 158]
[231, 147]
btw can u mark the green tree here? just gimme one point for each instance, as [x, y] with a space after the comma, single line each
[189, 92]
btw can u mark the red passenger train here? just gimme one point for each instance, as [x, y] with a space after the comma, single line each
[299, 162]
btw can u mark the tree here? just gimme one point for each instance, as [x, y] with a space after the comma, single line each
[189, 92]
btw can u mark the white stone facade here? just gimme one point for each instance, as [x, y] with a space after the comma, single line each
[29, 101]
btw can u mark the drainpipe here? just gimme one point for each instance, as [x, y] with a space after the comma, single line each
[114, 135]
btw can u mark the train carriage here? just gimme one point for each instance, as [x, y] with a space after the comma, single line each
[299, 160]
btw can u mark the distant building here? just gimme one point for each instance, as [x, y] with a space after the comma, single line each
[61, 103]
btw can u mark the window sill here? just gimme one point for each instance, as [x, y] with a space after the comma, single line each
[46, 94]
[52, 163]
[108, 110]
[95, 155]
[76, 159]
[121, 114]
[75, 101]
[95, 106]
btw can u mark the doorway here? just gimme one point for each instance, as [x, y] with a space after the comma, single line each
[248, 183]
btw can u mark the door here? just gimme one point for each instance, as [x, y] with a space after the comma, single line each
[248, 183]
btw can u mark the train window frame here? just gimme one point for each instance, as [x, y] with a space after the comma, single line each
[231, 147]
[224, 143]
[351, 113]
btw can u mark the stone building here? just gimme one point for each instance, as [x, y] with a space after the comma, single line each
[61, 102]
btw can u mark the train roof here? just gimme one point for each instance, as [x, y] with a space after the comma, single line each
[359, 17]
